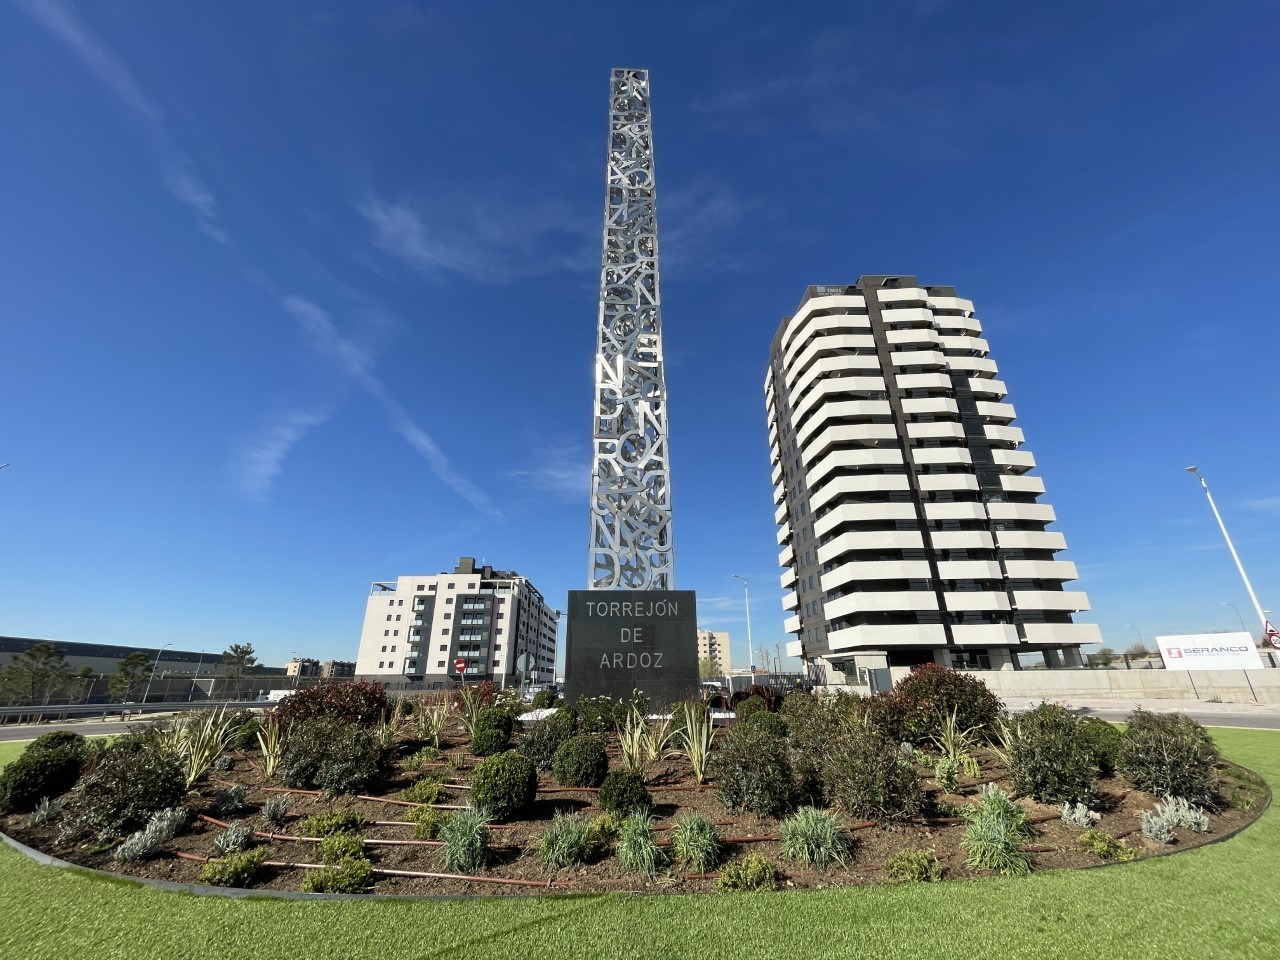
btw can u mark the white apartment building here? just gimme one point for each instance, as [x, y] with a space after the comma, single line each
[416, 627]
[714, 645]
[911, 526]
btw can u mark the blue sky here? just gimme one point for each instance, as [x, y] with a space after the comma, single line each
[297, 296]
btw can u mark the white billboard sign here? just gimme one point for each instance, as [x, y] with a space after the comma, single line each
[1209, 651]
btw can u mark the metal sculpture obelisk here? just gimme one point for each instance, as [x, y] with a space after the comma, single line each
[631, 630]
[630, 476]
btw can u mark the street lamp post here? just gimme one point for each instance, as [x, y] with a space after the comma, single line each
[194, 683]
[1138, 632]
[154, 668]
[1238, 616]
[746, 593]
[1262, 617]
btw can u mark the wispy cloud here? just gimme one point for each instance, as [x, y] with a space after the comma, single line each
[60, 19]
[490, 241]
[319, 330]
[564, 471]
[258, 462]
[1264, 504]
[694, 221]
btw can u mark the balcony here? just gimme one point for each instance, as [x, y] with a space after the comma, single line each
[790, 600]
[893, 600]
[1061, 633]
[879, 636]
[784, 533]
[904, 295]
[970, 570]
[842, 410]
[976, 365]
[787, 557]
[779, 492]
[1017, 484]
[930, 482]
[1060, 570]
[827, 366]
[1070, 601]
[1030, 512]
[863, 513]
[847, 433]
[1030, 540]
[856, 484]
[781, 514]
[791, 625]
[930, 405]
[985, 634]
[935, 431]
[866, 570]
[851, 460]
[964, 342]
[955, 511]
[996, 412]
[917, 358]
[776, 474]
[839, 387]
[945, 455]
[912, 335]
[961, 540]
[871, 540]
[951, 303]
[795, 648]
[788, 578]
[960, 601]
[1013, 461]
[987, 388]
[924, 381]
[1001, 434]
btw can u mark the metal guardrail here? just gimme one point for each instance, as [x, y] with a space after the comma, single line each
[103, 710]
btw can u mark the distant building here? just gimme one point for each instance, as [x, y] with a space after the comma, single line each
[715, 646]
[416, 627]
[105, 657]
[332, 669]
[302, 667]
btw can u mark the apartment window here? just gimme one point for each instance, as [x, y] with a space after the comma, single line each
[386, 633]
[379, 664]
[500, 615]
[448, 616]
[388, 618]
[497, 647]
[444, 647]
[448, 599]
[420, 588]
[400, 603]
[384, 648]
[431, 588]
[391, 664]
[439, 663]
[497, 663]
[393, 648]
[391, 602]
[498, 630]
[445, 631]
[451, 586]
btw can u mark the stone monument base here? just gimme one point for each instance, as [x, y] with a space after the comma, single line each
[619, 641]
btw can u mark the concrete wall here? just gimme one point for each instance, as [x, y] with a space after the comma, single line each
[1227, 686]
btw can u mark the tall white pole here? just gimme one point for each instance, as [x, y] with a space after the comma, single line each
[746, 592]
[1262, 617]
[154, 668]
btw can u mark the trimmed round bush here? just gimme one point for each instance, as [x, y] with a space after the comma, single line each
[1050, 759]
[752, 872]
[753, 771]
[503, 785]
[59, 740]
[496, 718]
[133, 780]
[1169, 753]
[581, 761]
[544, 737]
[37, 774]
[623, 792]
[1104, 741]
[764, 720]
[543, 700]
[923, 698]
[488, 741]
[751, 705]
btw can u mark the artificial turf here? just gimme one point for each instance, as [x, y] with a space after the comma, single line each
[1207, 903]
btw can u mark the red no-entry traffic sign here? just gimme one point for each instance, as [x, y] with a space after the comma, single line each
[460, 665]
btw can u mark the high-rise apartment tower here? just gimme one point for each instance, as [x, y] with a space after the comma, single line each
[912, 530]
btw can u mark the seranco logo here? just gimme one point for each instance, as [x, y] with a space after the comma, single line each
[1175, 653]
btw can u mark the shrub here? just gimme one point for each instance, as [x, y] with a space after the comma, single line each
[1156, 828]
[466, 841]
[1049, 758]
[59, 740]
[352, 875]
[912, 866]
[1180, 812]
[43, 812]
[332, 755]
[544, 737]
[228, 801]
[543, 700]
[813, 725]
[416, 761]
[1169, 754]
[638, 849]
[162, 826]
[923, 698]
[565, 843]
[275, 809]
[752, 872]
[1105, 846]
[325, 824]
[995, 829]
[695, 841]
[504, 785]
[602, 831]
[482, 693]
[427, 822]
[1076, 815]
[622, 792]
[233, 870]
[337, 847]
[753, 771]
[244, 725]
[48, 772]
[599, 714]
[770, 722]
[1104, 740]
[751, 705]
[814, 836]
[428, 790]
[237, 836]
[488, 741]
[133, 780]
[866, 773]
[360, 703]
[580, 761]
[496, 718]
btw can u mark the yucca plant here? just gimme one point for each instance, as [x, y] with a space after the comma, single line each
[270, 736]
[814, 836]
[632, 741]
[203, 740]
[957, 745]
[657, 739]
[695, 841]
[695, 738]
[472, 706]
[430, 718]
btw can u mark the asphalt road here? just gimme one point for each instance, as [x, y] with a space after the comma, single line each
[90, 728]
[1214, 719]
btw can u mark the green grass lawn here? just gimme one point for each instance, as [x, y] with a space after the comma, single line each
[1217, 901]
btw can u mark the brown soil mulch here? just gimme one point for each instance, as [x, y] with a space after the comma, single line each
[674, 792]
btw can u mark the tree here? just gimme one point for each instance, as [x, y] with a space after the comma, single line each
[1138, 650]
[131, 675]
[1105, 656]
[708, 667]
[239, 659]
[35, 675]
